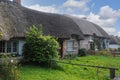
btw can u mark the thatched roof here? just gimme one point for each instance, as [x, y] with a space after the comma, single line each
[15, 20]
[89, 28]
[114, 40]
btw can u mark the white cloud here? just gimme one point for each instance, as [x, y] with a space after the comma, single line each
[110, 30]
[119, 34]
[82, 4]
[80, 16]
[50, 9]
[69, 10]
[106, 18]
[107, 12]
[95, 18]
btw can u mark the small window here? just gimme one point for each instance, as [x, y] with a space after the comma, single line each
[15, 45]
[8, 47]
[70, 45]
[2, 46]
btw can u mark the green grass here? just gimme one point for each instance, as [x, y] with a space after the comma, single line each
[70, 72]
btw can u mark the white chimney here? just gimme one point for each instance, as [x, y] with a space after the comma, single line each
[17, 1]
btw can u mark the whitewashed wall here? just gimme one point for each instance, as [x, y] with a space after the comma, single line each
[114, 46]
[20, 48]
[85, 43]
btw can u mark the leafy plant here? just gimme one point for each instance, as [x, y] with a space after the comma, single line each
[40, 49]
[8, 68]
[97, 43]
[119, 49]
[1, 34]
[82, 52]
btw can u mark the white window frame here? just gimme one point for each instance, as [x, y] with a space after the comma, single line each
[8, 47]
[14, 47]
[70, 45]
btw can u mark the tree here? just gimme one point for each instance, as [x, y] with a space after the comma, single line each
[39, 48]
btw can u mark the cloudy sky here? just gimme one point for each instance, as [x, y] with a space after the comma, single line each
[105, 13]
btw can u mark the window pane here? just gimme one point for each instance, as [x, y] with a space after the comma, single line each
[2, 46]
[15, 45]
[70, 46]
[9, 47]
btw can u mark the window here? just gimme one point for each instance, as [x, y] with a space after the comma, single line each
[8, 47]
[70, 45]
[15, 46]
[2, 46]
[91, 46]
[90, 39]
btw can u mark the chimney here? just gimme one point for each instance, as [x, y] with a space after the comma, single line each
[17, 1]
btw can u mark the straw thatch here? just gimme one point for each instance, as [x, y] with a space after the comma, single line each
[89, 28]
[15, 20]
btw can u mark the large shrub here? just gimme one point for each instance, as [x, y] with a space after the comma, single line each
[39, 48]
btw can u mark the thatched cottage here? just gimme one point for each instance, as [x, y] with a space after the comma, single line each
[15, 20]
[92, 33]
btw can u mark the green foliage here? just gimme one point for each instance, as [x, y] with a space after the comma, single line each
[82, 52]
[1, 34]
[119, 49]
[8, 55]
[103, 53]
[97, 43]
[39, 48]
[8, 68]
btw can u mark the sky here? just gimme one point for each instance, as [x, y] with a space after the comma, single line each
[105, 13]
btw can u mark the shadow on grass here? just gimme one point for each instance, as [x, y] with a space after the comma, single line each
[44, 66]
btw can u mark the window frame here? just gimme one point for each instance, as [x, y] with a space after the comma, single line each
[72, 47]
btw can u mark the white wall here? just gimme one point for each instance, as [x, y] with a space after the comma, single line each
[114, 46]
[85, 43]
[20, 48]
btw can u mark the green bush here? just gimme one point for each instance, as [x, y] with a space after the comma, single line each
[103, 53]
[82, 52]
[8, 68]
[119, 49]
[9, 55]
[70, 56]
[39, 48]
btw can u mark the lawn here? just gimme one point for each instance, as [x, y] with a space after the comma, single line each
[71, 72]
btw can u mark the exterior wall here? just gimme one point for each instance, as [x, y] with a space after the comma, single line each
[105, 43]
[85, 43]
[114, 46]
[65, 47]
[20, 48]
[21, 42]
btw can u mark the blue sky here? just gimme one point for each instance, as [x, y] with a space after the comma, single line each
[105, 13]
